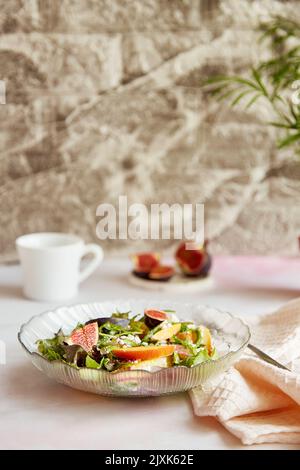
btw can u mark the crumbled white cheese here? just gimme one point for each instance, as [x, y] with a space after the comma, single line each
[124, 340]
[173, 317]
[131, 337]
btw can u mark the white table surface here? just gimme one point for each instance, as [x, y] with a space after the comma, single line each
[36, 413]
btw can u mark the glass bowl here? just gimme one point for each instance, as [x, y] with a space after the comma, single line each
[230, 334]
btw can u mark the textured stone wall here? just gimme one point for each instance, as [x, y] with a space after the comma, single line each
[103, 99]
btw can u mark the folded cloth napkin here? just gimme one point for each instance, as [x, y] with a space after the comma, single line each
[257, 402]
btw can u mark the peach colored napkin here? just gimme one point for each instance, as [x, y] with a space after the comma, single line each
[255, 401]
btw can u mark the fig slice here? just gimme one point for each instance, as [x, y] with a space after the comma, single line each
[144, 262]
[143, 353]
[86, 337]
[161, 273]
[194, 262]
[166, 333]
[182, 351]
[156, 314]
[154, 317]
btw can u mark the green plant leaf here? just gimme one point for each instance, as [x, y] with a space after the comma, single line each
[257, 77]
[271, 79]
[229, 93]
[279, 124]
[289, 140]
[253, 99]
[240, 96]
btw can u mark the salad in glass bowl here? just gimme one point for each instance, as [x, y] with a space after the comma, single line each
[134, 347]
[123, 341]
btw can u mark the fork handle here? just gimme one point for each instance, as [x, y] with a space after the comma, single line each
[262, 355]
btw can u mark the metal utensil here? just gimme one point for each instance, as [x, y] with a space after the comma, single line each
[262, 355]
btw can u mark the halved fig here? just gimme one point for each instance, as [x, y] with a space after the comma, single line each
[154, 317]
[143, 353]
[166, 333]
[161, 273]
[143, 263]
[86, 337]
[193, 262]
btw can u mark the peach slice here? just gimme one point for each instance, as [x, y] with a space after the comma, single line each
[187, 336]
[166, 333]
[161, 362]
[143, 353]
[206, 338]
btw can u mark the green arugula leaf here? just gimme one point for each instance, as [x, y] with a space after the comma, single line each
[121, 314]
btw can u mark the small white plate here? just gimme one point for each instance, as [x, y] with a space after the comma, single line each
[178, 283]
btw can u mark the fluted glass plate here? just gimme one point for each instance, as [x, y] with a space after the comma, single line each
[230, 334]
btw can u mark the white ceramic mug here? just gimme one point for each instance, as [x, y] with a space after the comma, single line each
[51, 264]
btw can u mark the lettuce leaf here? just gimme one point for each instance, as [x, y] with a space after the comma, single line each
[91, 363]
[51, 349]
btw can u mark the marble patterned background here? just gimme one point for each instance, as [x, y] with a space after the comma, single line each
[103, 99]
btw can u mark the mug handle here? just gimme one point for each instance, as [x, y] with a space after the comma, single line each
[97, 253]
